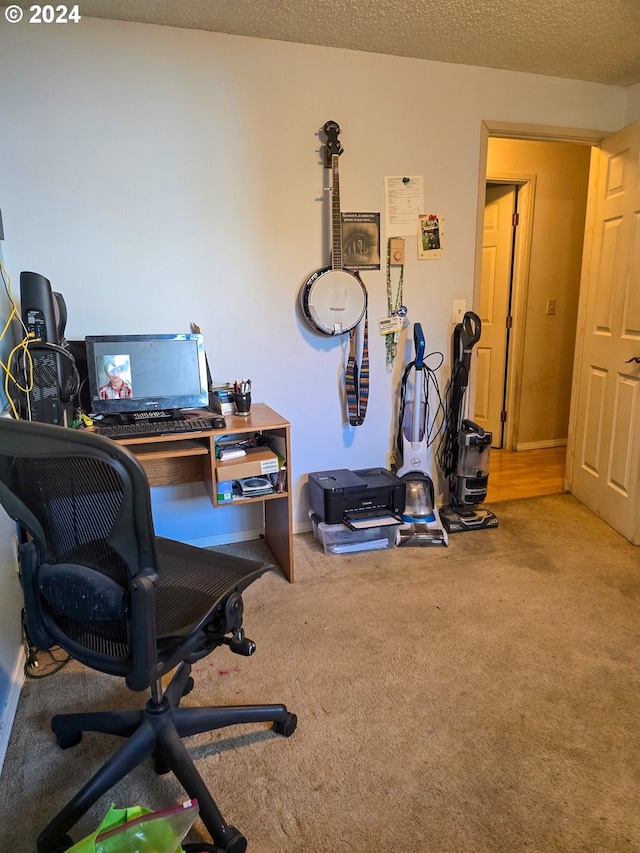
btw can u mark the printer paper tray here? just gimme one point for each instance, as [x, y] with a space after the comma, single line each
[363, 521]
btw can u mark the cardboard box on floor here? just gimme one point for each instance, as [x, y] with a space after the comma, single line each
[257, 462]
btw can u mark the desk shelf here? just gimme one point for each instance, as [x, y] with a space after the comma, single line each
[164, 450]
[190, 458]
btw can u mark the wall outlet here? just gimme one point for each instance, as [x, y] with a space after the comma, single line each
[459, 310]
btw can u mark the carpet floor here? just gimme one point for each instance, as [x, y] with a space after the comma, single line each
[482, 697]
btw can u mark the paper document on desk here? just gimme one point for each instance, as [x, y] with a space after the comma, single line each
[350, 547]
[366, 521]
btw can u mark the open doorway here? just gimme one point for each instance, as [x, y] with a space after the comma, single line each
[535, 198]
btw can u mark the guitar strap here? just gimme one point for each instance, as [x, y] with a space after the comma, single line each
[357, 380]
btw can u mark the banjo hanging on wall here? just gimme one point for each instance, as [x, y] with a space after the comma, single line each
[334, 299]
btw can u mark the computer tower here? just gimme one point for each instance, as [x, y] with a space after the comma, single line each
[47, 403]
[55, 376]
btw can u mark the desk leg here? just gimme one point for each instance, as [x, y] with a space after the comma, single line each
[277, 533]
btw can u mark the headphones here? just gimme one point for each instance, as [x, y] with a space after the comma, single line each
[69, 382]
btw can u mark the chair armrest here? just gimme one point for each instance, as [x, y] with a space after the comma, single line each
[143, 633]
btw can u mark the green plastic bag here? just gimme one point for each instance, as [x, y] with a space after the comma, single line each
[139, 830]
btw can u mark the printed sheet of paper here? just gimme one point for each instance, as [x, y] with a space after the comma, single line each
[404, 202]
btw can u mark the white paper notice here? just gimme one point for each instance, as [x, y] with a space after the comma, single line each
[404, 202]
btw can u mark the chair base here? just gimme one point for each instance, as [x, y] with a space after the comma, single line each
[157, 731]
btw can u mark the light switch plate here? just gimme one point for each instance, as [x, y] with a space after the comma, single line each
[459, 310]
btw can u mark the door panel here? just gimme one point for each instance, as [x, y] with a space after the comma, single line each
[606, 467]
[495, 286]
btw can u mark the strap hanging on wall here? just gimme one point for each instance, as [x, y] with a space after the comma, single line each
[396, 312]
[357, 379]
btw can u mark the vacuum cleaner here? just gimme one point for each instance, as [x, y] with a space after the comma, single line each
[421, 523]
[463, 454]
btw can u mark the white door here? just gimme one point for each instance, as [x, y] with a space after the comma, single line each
[495, 285]
[606, 460]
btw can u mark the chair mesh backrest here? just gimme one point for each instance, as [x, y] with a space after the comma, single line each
[78, 498]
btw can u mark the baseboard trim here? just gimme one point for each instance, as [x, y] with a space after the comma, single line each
[11, 705]
[226, 538]
[241, 536]
[541, 445]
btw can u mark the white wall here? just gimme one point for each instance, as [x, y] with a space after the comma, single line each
[632, 111]
[11, 654]
[160, 176]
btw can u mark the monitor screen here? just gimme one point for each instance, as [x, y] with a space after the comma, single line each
[146, 373]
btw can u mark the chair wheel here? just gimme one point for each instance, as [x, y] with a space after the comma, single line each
[188, 687]
[287, 726]
[237, 843]
[67, 739]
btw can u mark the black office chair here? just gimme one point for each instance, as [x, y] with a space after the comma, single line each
[98, 583]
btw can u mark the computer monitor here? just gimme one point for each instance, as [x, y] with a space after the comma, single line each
[146, 373]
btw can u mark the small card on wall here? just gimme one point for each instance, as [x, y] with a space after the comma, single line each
[361, 241]
[390, 325]
[430, 237]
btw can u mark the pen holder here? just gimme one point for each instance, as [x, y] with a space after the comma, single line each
[242, 402]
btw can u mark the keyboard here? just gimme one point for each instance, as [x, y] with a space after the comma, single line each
[148, 429]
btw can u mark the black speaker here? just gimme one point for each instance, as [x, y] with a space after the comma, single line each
[56, 383]
[44, 312]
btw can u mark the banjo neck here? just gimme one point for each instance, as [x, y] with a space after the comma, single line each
[336, 219]
[334, 299]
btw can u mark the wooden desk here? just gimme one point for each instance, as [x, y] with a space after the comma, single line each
[190, 457]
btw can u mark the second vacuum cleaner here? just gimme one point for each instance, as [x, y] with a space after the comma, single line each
[421, 521]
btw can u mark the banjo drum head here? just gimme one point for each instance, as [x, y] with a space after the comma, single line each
[334, 301]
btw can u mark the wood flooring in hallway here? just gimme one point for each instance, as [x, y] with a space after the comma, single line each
[525, 473]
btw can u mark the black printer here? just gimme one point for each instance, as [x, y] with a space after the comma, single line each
[348, 497]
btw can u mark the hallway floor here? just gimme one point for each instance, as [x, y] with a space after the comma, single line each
[526, 473]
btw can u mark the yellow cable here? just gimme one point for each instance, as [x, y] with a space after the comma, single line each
[22, 345]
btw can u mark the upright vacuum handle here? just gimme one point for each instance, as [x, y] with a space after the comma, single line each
[471, 330]
[418, 340]
[467, 424]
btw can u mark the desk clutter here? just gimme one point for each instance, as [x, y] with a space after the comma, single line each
[233, 398]
[249, 467]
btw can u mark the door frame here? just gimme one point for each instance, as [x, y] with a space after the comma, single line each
[526, 187]
[538, 133]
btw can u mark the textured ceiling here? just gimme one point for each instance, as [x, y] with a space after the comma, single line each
[593, 40]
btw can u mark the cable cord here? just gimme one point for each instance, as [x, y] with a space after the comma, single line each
[447, 453]
[432, 426]
[23, 345]
[41, 663]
